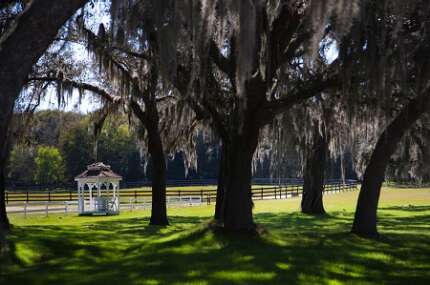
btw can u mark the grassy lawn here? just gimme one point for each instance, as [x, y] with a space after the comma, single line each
[293, 248]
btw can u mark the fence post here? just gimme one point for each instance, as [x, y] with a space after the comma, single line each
[276, 197]
[262, 193]
[179, 194]
[135, 196]
[201, 195]
[7, 197]
[49, 195]
[27, 196]
[70, 194]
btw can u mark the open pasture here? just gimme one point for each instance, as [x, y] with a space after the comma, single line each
[292, 247]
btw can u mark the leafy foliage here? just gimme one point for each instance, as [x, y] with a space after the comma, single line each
[21, 165]
[49, 165]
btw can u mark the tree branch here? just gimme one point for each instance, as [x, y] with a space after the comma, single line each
[100, 45]
[301, 93]
[130, 53]
[31, 34]
[284, 38]
[224, 64]
[80, 85]
[135, 107]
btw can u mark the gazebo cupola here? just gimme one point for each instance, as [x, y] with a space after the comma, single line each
[98, 190]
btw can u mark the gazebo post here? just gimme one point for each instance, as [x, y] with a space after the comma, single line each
[116, 195]
[81, 200]
[79, 196]
[91, 198]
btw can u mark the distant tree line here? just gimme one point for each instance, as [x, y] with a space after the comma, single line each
[59, 145]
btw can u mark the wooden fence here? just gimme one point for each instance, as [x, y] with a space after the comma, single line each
[206, 195]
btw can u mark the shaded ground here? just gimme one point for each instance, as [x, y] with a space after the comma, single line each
[294, 248]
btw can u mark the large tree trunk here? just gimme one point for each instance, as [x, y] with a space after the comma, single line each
[237, 196]
[155, 148]
[313, 187]
[240, 140]
[220, 185]
[4, 221]
[149, 119]
[365, 219]
[20, 47]
[6, 108]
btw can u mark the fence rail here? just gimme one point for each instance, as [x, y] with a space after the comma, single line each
[72, 206]
[259, 192]
[21, 186]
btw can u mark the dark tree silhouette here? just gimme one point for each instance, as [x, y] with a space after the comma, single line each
[313, 187]
[21, 45]
[390, 76]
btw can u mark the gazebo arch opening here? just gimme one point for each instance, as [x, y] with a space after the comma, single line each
[98, 190]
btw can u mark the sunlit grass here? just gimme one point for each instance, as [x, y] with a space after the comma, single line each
[293, 248]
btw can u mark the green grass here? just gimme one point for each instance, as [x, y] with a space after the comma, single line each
[293, 248]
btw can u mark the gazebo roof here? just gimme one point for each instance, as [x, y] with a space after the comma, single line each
[98, 170]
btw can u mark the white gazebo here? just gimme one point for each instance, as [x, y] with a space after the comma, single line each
[98, 190]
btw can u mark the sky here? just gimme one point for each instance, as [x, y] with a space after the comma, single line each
[87, 105]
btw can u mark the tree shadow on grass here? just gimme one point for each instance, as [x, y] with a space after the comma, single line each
[297, 249]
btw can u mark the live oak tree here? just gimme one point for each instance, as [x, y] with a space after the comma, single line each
[388, 71]
[24, 38]
[323, 133]
[262, 63]
[256, 52]
[316, 129]
[133, 74]
[315, 154]
[138, 76]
